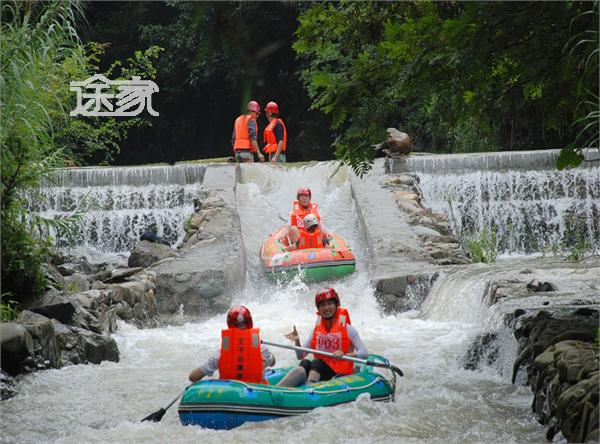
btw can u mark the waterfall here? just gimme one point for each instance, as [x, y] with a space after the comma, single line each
[529, 211]
[116, 205]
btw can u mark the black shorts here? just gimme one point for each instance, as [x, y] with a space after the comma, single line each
[320, 366]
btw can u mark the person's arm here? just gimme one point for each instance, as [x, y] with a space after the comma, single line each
[307, 344]
[196, 375]
[206, 369]
[267, 357]
[278, 130]
[252, 133]
[360, 350]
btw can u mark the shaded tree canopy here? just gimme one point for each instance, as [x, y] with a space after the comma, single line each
[217, 56]
[457, 76]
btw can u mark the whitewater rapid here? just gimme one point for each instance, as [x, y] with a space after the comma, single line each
[436, 401]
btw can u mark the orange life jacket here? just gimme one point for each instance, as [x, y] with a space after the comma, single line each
[335, 339]
[242, 135]
[310, 240]
[270, 139]
[241, 358]
[298, 213]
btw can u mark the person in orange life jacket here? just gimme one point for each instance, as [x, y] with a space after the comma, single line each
[244, 136]
[333, 333]
[241, 357]
[275, 134]
[309, 237]
[302, 207]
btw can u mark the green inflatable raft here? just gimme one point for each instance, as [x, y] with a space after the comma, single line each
[225, 404]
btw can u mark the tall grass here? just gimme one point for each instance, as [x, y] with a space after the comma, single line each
[39, 48]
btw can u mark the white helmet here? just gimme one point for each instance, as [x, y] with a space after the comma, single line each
[310, 220]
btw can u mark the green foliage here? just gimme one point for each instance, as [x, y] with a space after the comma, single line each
[41, 53]
[578, 251]
[218, 55]
[8, 309]
[584, 52]
[483, 247]
[456, 76]
[23, 254]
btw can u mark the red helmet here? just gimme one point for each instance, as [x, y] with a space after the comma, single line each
[272, 107]
[303, 191]
[239, 316]
[325, 294]
[253, 106]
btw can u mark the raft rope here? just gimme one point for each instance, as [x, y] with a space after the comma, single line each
[311, 391]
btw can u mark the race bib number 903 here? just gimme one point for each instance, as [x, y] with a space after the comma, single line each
[330, 342]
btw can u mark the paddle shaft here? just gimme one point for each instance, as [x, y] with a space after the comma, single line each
[157, 416]
[330, 355]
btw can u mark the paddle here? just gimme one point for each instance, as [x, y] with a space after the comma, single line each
[344, 358]
[157, 416]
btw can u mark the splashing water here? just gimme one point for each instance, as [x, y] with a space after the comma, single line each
[437, 401]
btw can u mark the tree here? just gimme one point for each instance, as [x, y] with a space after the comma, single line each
[458, 77]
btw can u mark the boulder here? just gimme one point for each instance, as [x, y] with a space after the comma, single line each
[424, 231]
[71, 350]
[54, 304]
[76, 283]
[98, 348]
[147, 253]
[44, 340]
[16, 344]
[53, 277]
[7, 386]
[120, 274]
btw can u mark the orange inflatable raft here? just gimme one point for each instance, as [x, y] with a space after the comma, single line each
[314, 264]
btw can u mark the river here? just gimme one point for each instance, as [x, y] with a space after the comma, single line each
[436, 401]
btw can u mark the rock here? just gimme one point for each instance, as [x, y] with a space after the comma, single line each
[108, 320]
[408, 207]
[67, 269]
[7, 386]
[120, 274]
[76, 283]
[398, 142]
[124, 311]
[406, 196]
[204, 276]
[101, 276]
[54, 304]
[99, 285]
[197, 219]
[212, 201]
[537, 286]
[424, 231]
[16, 344]
[402, 179]
[84, 300]
[69, 343]
[98, 348]
[152, 236]
[42, 333]
[484, 348]
[53, 277]
[133, 292]
[147, 253]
